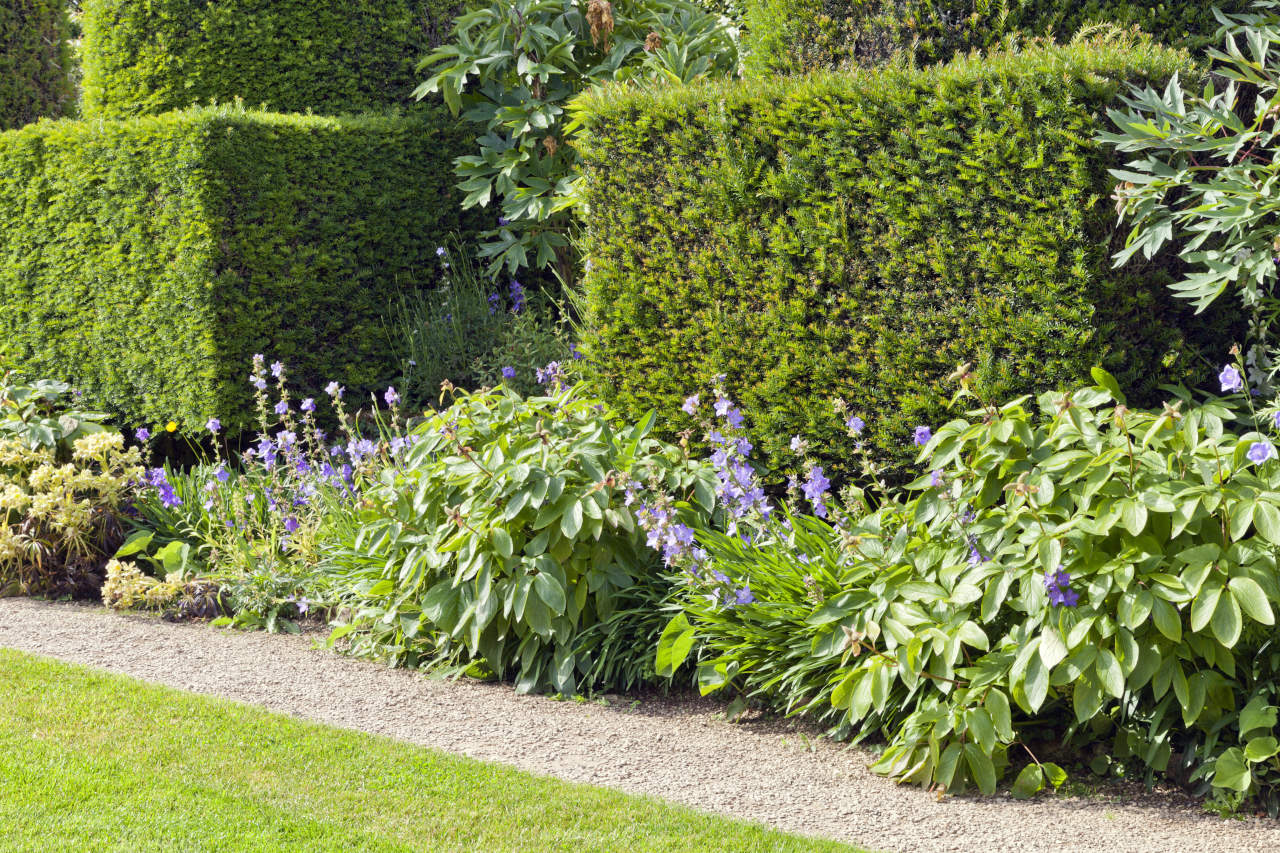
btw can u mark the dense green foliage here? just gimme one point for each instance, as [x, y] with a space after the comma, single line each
[1104, 574]
[188, 772]
[147, 260]
[1202, 174]
[506, 536]
[41, 414]
[35, 62]
[790, 36]
[286, 55]
[857, 236]
[514, 64]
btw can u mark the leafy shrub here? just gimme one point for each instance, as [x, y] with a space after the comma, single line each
[40, 414]
[514, 64]
[1087, 572]
[60, 522]
[858, 235]
[289, 55]
[147, 260]
[791, 36]
[505, 536]
[35, 62]
[1201, 173]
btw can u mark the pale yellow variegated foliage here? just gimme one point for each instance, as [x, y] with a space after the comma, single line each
[127, 588]
[53, 514]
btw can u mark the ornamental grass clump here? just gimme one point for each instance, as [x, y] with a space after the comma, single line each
[506, 541]
[1061, 577]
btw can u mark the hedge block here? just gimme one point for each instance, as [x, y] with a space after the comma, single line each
[35, 62]
[287, 55]
[793, 36]
[859, 235]
[147, 260]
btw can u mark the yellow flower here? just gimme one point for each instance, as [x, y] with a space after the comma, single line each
[171, 426]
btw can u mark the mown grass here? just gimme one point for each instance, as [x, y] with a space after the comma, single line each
[91, 761]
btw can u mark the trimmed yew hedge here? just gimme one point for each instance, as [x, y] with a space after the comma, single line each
[147, 260]
[790, 36]
[35, 62]
[287, 55]
[859, 235]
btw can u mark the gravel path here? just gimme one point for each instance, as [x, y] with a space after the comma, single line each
[678, 749]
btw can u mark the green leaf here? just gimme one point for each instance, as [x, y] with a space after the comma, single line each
[501, 542]
[1261, 748]
[571, 521]
[981, 767]
[1037, 683]
[1252, 600]
[1258, 715]
[1226, 622]
[136, 542]
[979, 724]
[1231, 772]
[1266, 519]
[1029, 782]
[1202, 609]
[1167, 620]
[997, 705]
[674, 645]
[1054, 774]
[550, 591]
[1109, 673]
[1052, 649]
[1133, 515]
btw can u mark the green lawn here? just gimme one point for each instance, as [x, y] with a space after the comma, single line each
[91, 761]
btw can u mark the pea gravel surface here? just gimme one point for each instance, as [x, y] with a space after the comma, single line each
[679, 748]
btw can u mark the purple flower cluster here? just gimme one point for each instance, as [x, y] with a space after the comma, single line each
[816, 489]
[1261, 451]
[517, 297]
[158, 480]
[553, 376]
[668, 535]
[1058, 585]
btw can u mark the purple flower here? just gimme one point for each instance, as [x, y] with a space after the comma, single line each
[334, 390]
[923, 435]
[734, 418]
[282, 408]
[744, 596]
[1276, 419]
[517, 297]
[221, 474]
[690, 406]
[502, 220]
[213, 426]
[1261, 451]
[259, 383]
[552, 375]
[508, 373]
[493, 303]
[308, 405]
[573, 351]
[856, 425]
[291, 524]
[797, 444]
[722, 406]
[277, 369]
[935, 479]
[439, 251]
[1230, 379]
[391, 396]
[1058, 585]
[817, 484]
[143, 434]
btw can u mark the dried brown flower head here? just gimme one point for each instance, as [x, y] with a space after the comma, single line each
[600, 17]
